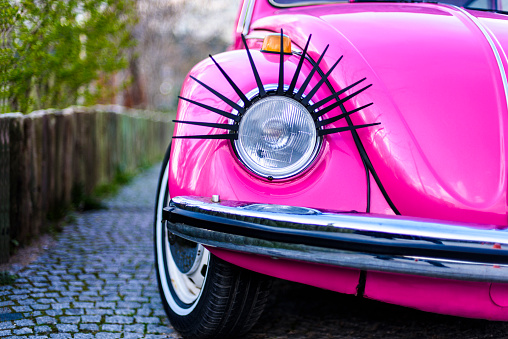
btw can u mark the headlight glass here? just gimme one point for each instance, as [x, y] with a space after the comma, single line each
[277, 137]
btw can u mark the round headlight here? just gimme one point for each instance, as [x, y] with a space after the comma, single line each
[277, 137]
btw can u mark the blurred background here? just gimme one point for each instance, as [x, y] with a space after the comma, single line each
[173, 35]
[135, 53]
[57, 56]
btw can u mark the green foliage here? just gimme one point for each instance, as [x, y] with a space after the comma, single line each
[55, 51]
[7, 278]
[121, 178]
[84, 202]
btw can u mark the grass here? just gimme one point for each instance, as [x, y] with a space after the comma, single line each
[80, 202]
[83, 202]
[7, 278]
[106, 190]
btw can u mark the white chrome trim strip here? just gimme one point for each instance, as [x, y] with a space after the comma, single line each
[442, 231]
[245, 17]
[494, 49]
[433, 248]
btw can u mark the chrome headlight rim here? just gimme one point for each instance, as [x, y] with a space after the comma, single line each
[253, 95]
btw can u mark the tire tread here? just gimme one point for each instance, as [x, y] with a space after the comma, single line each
[231, 302]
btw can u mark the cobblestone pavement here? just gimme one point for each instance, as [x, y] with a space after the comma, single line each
[98, 281]
[302, 312]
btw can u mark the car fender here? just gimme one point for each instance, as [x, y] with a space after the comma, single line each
[437, 156]
[203, 167]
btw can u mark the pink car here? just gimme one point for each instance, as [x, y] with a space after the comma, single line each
[358, 147]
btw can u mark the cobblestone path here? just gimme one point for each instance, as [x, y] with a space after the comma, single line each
[98, 281]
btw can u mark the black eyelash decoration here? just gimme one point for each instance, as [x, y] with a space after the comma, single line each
[209, 124]
[325, 122]
[300, 96]
[334, 95]
[343, 129]
[298, 68]
[280, 87]
[213, 109]
[309, 96]
[262, 91]
[238, 91]
[338, 103]
[220, 96]
[209, 136]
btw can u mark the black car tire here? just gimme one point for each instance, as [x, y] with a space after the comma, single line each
[212, 299]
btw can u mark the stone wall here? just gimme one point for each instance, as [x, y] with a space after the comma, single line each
[49, 157]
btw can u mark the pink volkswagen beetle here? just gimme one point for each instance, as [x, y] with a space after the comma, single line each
[358, 147]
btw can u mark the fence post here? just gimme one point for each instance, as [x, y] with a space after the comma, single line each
[5, 153]
[49, 157]
[4, 190]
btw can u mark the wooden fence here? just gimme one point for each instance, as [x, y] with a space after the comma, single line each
[47, 157]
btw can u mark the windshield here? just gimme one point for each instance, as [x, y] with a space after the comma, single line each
[486, 5]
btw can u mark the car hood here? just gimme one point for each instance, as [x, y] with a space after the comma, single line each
[439, 91]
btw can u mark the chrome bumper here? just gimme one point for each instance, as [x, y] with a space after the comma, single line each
[396, 244]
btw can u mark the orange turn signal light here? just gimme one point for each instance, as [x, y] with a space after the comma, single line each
[271, 43]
